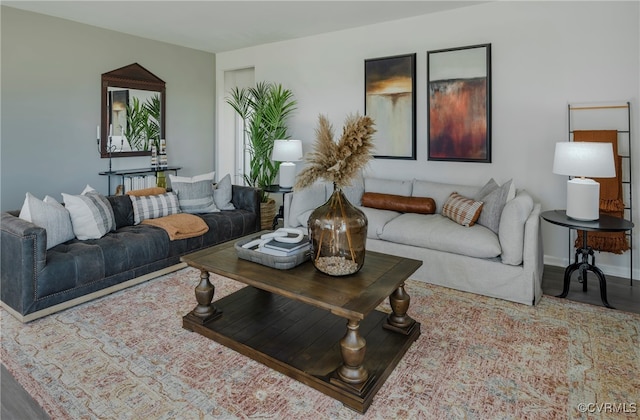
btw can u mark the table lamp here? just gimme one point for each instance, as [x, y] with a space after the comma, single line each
[580, 159]
[286, 152]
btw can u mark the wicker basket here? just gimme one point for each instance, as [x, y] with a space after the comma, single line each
[267, 214]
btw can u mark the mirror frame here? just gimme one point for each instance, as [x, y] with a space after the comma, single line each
[133, 76]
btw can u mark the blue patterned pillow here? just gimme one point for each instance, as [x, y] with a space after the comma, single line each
[154, 206]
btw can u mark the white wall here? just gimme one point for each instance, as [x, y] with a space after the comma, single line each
[51, 75]
[544, 55]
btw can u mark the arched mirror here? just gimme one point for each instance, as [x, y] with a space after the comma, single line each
[133, 112]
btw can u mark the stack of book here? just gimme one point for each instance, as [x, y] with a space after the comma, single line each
[284, 249]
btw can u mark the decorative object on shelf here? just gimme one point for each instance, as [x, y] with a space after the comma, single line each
[337, 229]
[286, 152]
[390, 99]
[459, 104]
[583, 159]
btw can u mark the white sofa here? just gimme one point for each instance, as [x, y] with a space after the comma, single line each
[500, 256]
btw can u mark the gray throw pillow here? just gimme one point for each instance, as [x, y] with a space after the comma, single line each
[50, 215]
[493, 204]
[195, 197]
[222, 194]
[154, 206]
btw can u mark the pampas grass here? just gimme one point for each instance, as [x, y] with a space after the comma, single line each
[338, 162]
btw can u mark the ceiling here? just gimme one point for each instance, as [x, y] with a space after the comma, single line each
[218, 26]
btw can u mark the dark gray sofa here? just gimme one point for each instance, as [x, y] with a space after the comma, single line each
[36, 282]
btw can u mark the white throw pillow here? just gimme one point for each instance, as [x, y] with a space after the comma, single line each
[304, 200]
[195, 193]
[222, 194]
[91, 214]
[50, 215]
[202, 177]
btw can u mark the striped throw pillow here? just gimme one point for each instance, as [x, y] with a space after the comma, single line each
[154, 206]
[462, 210]
[91, 214]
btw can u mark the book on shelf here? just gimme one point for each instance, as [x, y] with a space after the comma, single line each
[290, 247]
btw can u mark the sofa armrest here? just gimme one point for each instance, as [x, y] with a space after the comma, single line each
[247, 198]
[286, 203]
[532, 258]
[23, 256]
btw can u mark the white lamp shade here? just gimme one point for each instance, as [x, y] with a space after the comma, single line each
[287, 150]
[584, 159]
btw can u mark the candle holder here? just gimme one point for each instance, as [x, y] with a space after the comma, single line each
[110, 149]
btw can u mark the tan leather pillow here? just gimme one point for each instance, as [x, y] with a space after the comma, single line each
[422, 205]
[147, 191]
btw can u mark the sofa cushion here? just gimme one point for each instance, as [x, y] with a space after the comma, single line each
[435, 231]
[122, 210]
[423, 205]
[388, 186]
[91, 214]
[440, 191]
[511, 232]
[50, 215]
[494, 202]
[355, 190]
[377, 219]
[222, 194]
[152, 206]
[462, 210]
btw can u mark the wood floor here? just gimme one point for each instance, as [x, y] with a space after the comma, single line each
[18, 405]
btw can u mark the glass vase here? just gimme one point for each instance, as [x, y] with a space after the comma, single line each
[338, 234]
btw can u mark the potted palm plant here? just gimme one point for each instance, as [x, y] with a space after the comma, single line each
[264, 108]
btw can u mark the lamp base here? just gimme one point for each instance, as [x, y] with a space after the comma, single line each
[287, 174]
[583, 199]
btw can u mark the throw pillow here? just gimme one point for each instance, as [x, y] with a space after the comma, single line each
[209, 176]
[195, 194]
[421, 205]
[462, 210]
[91, 214]
[222, 194]
[50, 215]
[494, 202]
[147, 191]
[154, 206]
[486, 189]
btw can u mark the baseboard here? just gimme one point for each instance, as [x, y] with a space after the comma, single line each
[608, 270]
[91, 296]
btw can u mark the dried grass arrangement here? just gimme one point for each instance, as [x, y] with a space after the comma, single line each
[338, 162]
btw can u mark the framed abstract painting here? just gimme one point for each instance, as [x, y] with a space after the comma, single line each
[459, 104]
[390, 100]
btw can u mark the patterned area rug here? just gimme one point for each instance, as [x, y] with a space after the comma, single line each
[126, 356]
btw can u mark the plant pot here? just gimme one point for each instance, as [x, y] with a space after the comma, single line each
[267, 214]
[338, 234]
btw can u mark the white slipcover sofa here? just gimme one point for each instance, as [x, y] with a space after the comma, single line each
[499, 256]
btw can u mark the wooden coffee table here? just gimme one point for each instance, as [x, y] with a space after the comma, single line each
[294, 320]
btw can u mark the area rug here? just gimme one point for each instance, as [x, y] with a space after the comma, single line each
[126, 356]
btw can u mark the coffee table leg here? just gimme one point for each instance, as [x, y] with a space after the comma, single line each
[205, 311]
[353, 348]
[398, 320]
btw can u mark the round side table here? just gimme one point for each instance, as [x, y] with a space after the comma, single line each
[604, 224]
